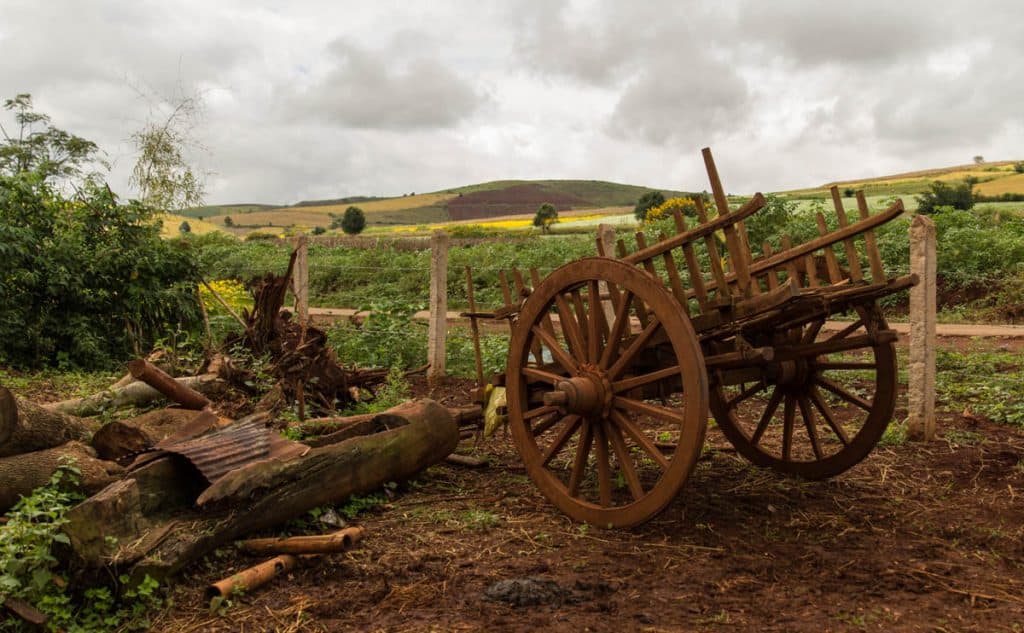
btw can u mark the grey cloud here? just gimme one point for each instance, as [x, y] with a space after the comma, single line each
[362, 91]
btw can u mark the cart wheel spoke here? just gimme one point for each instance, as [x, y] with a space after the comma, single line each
[812, 429]
[828, 416]
[843, 393]
[557, 351]
[840, 365]
[604, 468]
[766, 418]
[594, 322]
[539, 411]
[635, 346]
[570, 425]
[787, 427]
[628, 384]
[846, 331]
[746, 394]
[546, 424]
[646, 408]
[545, 376]
[619, 328]
[570, 327]
[641, 440]
[579, 466]
[625, 460]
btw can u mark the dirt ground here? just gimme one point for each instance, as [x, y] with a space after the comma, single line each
[918, 537]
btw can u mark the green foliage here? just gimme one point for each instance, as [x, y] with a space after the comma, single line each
[546, 215]
[987, 383]
[90, 278]
[357, 505]
[941, 194]
[1019, 167]
[319, 230]
[228, 222]
[771, 222]
[387, 337]
[647, 202]
[93, 280]
[354, 221]
[30, 571]
[185, 227]
[41, 149]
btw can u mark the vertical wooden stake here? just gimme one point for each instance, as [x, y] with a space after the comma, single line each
[300, 280]
[921, 396]
[437, 332]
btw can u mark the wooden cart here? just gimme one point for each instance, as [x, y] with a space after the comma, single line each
[615, 361]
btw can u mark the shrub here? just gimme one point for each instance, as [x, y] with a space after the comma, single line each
[647, 202]
[547, 215]
[941, 194]
[354, 221]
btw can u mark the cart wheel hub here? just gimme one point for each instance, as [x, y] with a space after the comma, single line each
[588, 395]
[793, 373]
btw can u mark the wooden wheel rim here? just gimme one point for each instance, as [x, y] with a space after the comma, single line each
[692, 418]
[859, 445]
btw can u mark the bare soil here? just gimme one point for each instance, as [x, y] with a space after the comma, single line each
[918, 537]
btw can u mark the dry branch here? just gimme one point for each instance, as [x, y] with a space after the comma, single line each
[339, 541]
[135, 394]
[173, 390]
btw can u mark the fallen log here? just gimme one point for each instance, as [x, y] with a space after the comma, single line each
[339, 541]
[21, 474]
[173, 390]
[118, 439]
[26, 427]
[137, 394]
[164, 516]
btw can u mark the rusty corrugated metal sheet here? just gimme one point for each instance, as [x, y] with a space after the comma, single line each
[220, 452]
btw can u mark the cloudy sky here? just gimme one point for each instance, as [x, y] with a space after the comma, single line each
[307, 99]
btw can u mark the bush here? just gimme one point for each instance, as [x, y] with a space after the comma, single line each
[941, 194]
[647, 202]
[93, 280]
[354, 221]
[547, 215]
[1019, 167]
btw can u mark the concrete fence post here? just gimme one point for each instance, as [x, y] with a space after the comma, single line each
[300, 280]
[437, 330]
[921, 390]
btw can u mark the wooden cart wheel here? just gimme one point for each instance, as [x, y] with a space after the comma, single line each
[589, 339]
[814, 414]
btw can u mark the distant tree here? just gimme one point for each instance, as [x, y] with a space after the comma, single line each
[354, 221]
[228, 222]
[185, 227]
[647, 202]
[547, 215]
[319, 230]
[941, 194]
[1019, 167]
[979, 159]
[849, 192]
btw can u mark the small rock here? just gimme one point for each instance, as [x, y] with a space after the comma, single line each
[529, 591]
[332, 519]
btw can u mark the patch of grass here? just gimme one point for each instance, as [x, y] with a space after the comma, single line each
[958, 437]
[895, 434]
[987, 383]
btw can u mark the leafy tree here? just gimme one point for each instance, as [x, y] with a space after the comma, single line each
[161, 174]
[647, 202]
[228, 222]
[354, 221]
[319, 230]
[185, 227]
[93, 280]
[547, 215]
[1019, 167]
[979, 159]
[39, 148]
[941, 194]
